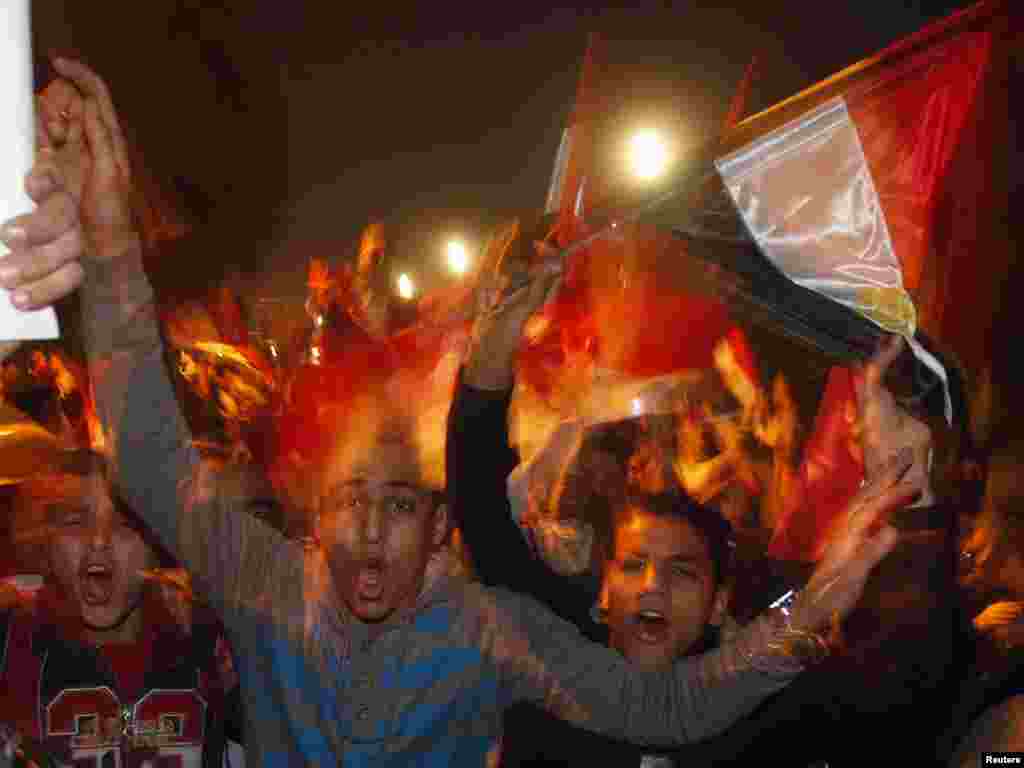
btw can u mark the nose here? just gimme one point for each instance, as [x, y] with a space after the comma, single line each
[101, 532]
[374, 523]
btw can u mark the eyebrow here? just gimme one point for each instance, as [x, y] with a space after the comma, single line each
[403, 484]
[680, 558]
[686, 559]
[57, 507]
[411, 487]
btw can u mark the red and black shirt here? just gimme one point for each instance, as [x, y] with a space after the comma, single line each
[158, 701]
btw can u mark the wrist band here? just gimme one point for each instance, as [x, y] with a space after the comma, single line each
[805, 646]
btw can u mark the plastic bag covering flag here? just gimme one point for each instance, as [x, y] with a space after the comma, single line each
[807, 196]
[610, 397]
[533, 485]
[931, 117]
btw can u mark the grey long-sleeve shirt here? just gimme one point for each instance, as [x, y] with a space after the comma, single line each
[428, 687]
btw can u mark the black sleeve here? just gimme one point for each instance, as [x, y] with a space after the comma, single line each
[479, 460]
[5, 627]
[234, 716]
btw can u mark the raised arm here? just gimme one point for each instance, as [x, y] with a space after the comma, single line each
[546, 661]
[478, 464]
[480, 459]
[84, 235]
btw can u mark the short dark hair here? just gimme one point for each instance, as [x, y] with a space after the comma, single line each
[677, 505]
[31, 500]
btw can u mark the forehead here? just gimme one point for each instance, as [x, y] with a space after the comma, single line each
[391, 461]
[658, 536]
[61, 487]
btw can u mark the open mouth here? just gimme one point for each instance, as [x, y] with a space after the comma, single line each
[652, 625]
[97, 584]
[371, 580]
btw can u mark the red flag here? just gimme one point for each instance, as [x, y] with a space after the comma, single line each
[739, 100]
[829, 475]
[575, 155]
[931, 117]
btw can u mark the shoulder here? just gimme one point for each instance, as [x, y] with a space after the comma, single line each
[469, 603]
[17, 604]
[495, 611]
[20, 615]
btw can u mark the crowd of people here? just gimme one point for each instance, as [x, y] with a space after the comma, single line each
[415, 616]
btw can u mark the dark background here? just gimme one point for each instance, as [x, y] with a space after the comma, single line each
[284, 127]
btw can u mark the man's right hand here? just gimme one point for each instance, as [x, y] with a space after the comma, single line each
[499, 326]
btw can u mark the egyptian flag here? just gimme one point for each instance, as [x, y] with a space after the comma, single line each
[875, 187]
[882, 188]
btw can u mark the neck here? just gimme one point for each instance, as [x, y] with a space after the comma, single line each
[127, 630]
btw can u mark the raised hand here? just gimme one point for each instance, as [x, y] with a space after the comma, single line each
[886, 428]
[93, 154]
[506, 306]
[859, 542]
[81, 183]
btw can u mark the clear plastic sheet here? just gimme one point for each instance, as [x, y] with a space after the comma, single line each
[557, 525]
[808, 199]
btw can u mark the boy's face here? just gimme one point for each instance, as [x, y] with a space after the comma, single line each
[97, 554]
[379, 527]
[659, 589]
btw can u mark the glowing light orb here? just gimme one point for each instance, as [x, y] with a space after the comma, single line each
[648, 155]
[406, 289]
[458, 257]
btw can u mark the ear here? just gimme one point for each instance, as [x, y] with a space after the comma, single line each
[720, 606]
[602, 597]
[45, 567]
[980, 411]
[440, 524]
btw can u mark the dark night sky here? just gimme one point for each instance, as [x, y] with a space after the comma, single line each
[285, 126]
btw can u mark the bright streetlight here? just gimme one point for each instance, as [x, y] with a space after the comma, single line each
[458, 257]
[406, 289]
[648, 155]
